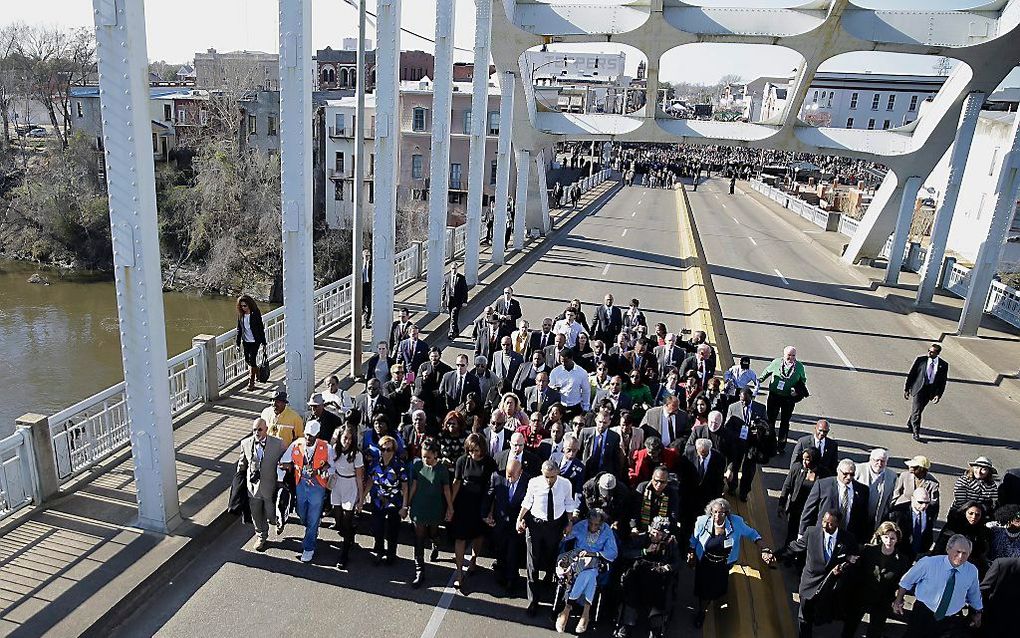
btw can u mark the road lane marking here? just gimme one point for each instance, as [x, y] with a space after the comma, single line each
[723, 205]
[752, 241]
[735, 219]
[840, 354]
[605, 270]
[634, 214]
[781, 276]
[432, 628]
[624, 234]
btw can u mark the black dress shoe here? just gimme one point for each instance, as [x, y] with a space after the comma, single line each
[917, 437]
[532, 609]
[416, 583]
[434, 555]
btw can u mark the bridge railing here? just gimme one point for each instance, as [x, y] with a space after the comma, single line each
[1003, 301]
[92, 430]
[17, 474]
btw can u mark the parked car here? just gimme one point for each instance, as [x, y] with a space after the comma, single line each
[38, 132]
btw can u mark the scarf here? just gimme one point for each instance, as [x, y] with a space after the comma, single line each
[647, 514]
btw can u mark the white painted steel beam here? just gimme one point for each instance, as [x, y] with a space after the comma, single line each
[903, 219]
[439, 164]
[296, 195]
[358, 214]
[479, 128]
[541, 164]
[1007, 190]
[130, 177]
[387, 141]
[521, 200]
[944, 216]
[506, 122]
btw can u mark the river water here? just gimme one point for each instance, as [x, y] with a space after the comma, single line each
[60, 343]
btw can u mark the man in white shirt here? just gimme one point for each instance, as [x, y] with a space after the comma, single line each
[572, 382]
[545, 519]
[740, 376]
[569, 328]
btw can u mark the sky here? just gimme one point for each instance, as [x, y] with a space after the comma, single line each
[177, 29]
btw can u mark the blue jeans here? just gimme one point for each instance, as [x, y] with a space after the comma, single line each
[309, 506]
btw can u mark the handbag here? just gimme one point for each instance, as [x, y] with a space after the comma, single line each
[802, 391]
[262, 374]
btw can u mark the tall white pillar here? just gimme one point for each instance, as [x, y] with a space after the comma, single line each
[944, 216]
[130, 178]
[903, 219]
[1007, 189]
[439, 165]
[541, 162]
[479, 128]
[296, 194]
[521, 199]
[358, 213]
[506, 123]
[387, 141]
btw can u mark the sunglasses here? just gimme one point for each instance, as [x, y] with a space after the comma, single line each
[388, 448]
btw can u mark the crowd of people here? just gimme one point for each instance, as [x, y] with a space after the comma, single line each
[601, 455]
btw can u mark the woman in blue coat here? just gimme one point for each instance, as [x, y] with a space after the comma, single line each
[715, 546]
[594, 548]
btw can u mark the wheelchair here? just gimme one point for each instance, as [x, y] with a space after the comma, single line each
[570, 563]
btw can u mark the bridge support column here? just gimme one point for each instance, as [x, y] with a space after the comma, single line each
[541, 162]
[521, 200]
[296, 195]
[1007, 188]
[130, 177]
[479, 128]
[439, 166]
[944, 215]
[899, 239]
[387, 139]
[506, 124]
[358, 209]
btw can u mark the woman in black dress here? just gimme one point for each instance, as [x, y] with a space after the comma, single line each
[971, 520]
[451, 439]
[875, 579]
[583, 353]
[803, 474]
[471, 478]
[251, 333]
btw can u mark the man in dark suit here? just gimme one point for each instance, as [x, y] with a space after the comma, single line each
[540, 340]
[739, 419]
[616, 359]
[640, 358]
[366, 287]
[827, 448]
[429, 377]
[917, 527]
[843, 494]
[552, 353]
[455, 295]
[456, 385]
[497, 435]
[925, 383]
[608, 322]
[486, 334]
[527, 374]
[372, 402]
[667, 422]
[413, 350]
[508, 311]
[506, 362]
[698, 338]
[828, 549]
[502, 506]
[701, 363]
[669, 355]
[614, 394]
[600, 448]
[702, 470]
[1000, 589]
[539, 397]
[518, 452]
[400, 330]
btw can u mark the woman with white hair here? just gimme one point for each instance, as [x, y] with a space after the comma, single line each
[715, 546]
[594, 548]
[787, 379]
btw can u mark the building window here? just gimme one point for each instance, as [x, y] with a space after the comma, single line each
[853, 100]
[913, 103]
[467, 122]
[875, 100]
[371, 192]
[371, 164]
[492, 172]
[891, 104]
[155, 143]
[849, 122]
[271, 126]
[814, 98]
[168, 112]
[203, 117]
[338, 162]
[338, 190]
[81, 112]
[182, 116]
[871, 124]
[885, 125]
[417, 169]
[493, 122]
[252, 121]
[418, 119]
[455, 176]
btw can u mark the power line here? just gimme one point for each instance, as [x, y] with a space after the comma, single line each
[352, 3]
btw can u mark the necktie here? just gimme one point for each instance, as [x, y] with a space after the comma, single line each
[947, 595]
[701, 469]
[916, 538]
[495, 445]
[747, 414]
[844, 505]
[550, 511]
[460, 388]
[598, 450]
[513, 488]
[931, 370]
[829, 546]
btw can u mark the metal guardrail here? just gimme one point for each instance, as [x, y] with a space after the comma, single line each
[17, 475]
[91, 430]
[1003, 301]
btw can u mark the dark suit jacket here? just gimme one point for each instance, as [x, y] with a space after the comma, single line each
[1000, 589]
[824, 496]
[258, 329]
[541, 342]
[398, 332]
[794, 485]
[701, 490]
[653, 419]
[486, 339]
[917, 378]
[459, 294]
[648, 361]
[668, 357]
[448, 389]
[507, 433]
[531, 396]
[504, 372]
[513, 308]
[525, 378]
[830, 458]
[611, 458]
[532, 465]
[617, 362]
[721, 440]
[413, 354]
[815, 565]
[623, 401]
[497, 500]
[382, 406]
[904, 518]
[426, 383]
[691, 363]
[607, 324]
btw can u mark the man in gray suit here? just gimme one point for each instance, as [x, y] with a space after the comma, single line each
[260, 454]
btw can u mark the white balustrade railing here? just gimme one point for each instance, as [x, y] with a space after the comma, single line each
[89, 431]
[1004, 303]
[187, 380]
[17, 474]
[847, 226]
[957, 280]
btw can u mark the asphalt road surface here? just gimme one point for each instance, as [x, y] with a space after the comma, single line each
[231, 590]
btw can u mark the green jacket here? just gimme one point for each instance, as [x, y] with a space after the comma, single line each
[779, 384]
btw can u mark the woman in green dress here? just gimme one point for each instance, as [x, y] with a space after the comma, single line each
[430, 496]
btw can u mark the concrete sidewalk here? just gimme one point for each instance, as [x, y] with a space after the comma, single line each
[77, 565]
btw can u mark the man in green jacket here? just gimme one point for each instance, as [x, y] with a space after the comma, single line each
[784, 376]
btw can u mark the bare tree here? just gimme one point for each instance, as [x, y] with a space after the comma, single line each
[730, 78]
[55, 61]
[9, 44]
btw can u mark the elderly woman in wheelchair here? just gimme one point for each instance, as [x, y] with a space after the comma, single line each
[583, 568]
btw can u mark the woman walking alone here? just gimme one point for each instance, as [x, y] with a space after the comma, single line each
[251, 333]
